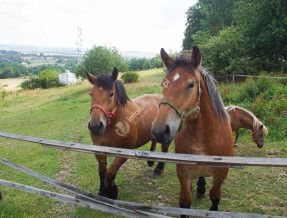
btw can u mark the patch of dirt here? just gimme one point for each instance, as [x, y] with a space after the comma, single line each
[11, 84]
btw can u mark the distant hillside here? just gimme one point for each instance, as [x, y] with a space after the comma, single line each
[68, 51]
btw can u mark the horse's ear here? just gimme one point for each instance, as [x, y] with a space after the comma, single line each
[91, 78]
[115, 74]
[195, 57]
[265, 131]
[166, 59]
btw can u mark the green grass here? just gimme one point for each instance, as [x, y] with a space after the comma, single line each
[63, 113]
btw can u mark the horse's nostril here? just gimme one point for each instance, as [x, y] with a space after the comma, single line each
[167, 130]
[101, 125]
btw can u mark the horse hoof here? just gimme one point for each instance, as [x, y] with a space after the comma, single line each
[235, 145]
[150, 163]
[102, 191]
[157, 172]
[112, 192]
[200, 196]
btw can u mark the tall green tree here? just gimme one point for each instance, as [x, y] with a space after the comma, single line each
[217, 15]
[101, 59]
[264, 25]
[194, 18]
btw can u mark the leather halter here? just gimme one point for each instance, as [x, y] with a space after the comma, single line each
[184, 115]
[108, 114]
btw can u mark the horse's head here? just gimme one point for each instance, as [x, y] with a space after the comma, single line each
[181, 94]
[257, 135]
[104, 101]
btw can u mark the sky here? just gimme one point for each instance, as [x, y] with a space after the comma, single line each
[128, 25]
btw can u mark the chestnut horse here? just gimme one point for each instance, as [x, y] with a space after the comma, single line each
[192, 113]
[117, 121]
[242, 118]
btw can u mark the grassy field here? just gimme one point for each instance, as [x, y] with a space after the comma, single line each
[63, 113]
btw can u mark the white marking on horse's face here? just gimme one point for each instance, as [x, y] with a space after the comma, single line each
[176, 77]
[101, 88]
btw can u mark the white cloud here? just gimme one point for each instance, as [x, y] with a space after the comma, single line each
[127, 24]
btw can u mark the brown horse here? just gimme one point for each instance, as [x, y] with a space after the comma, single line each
[242, 118]
[117, 121]
[192, 112]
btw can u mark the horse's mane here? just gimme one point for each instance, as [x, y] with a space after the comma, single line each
[106, 81]
[184, 61]
[256, 122]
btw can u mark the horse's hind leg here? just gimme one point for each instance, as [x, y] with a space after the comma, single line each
[102, 164]
[160, 166]
[236, 137]
[152, 148]
[200, 192]
[110, 186]
[0, 196]
[215, 191]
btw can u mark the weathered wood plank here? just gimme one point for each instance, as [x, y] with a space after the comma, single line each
[73, 200]
[165, 210]
[219, 161]
[81, 193]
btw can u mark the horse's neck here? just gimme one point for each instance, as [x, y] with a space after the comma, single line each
[245, 119]
[206, 120]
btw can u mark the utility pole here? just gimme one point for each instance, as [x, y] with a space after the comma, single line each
[79, 43]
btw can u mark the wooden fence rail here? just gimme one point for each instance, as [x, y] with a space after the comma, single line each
[219, 161]
[130, 209]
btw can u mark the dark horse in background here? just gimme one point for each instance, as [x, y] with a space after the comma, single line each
[116, 121]
[192, 113]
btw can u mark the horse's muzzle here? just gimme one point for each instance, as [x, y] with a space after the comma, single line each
[162, 135]
[97, 129]
[260, 145]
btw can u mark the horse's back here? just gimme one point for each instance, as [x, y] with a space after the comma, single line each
[145, 110]
[153, 98]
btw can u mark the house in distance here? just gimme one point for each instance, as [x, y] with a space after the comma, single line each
[67, 78]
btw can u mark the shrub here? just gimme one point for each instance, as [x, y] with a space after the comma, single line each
[130, 77]
[46, 79]
[31, 83]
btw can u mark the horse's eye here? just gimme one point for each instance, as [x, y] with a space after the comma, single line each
[111, 94]
[190, 85]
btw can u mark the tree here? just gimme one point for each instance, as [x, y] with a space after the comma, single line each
[217, 15]
[264, 24]
[101, 59]
[48, 78]
[194, 18]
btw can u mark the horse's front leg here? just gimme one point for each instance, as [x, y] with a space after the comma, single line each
[160, 166]
[110, 186]
[215, 191]
[185, 187]
[152, 148]
[102, 164]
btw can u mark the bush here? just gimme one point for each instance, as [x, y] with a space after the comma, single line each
[31, 83]
[130, 77]
[46, 79]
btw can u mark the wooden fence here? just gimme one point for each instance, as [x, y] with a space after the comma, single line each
[130, 209]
